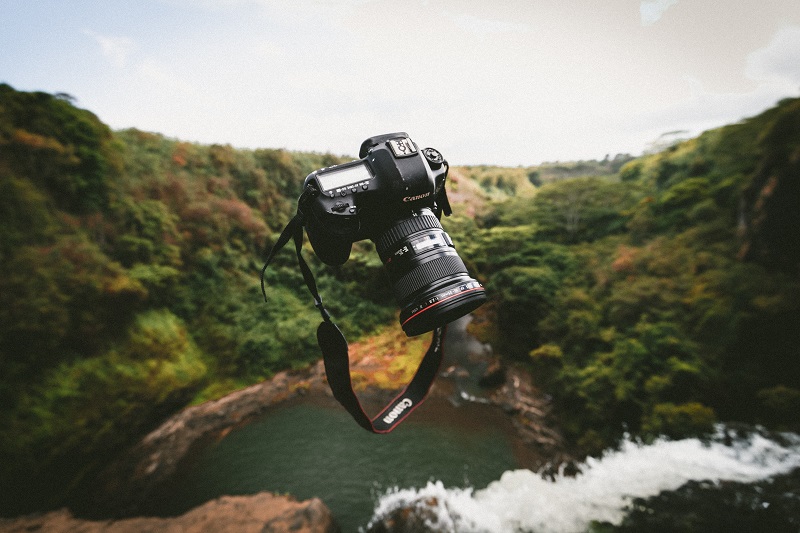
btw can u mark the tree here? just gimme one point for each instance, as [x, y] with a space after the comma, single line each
[583, 208]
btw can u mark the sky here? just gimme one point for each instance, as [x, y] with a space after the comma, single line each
[501, 82]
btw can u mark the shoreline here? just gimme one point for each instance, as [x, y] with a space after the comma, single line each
[139, 473]
[235, 514]
[144, 472]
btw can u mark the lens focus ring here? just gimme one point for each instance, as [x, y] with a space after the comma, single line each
[403, 229]
[427, 273]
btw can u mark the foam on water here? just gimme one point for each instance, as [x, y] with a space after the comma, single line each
[523, 500]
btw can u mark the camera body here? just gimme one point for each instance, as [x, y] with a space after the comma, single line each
[361, 199]
[395, 196]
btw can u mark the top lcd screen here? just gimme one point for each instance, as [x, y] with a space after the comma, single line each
[338, 178]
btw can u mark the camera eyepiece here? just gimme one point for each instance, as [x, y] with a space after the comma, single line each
[431, 283]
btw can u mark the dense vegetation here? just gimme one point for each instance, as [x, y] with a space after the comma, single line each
[653, 295]
[129, 285]
[664, 298]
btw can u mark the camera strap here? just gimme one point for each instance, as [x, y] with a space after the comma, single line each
[335, 353]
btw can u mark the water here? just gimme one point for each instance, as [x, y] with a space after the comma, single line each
[463, 464]
[312, 450]
[523, 501]
[468, 470]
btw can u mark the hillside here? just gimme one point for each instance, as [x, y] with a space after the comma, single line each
[663, 298]
[655, 295]
[129, 284]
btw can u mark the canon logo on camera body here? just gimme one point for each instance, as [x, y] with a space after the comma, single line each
[417, 197]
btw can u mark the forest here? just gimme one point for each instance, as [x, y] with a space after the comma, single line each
[648, 296]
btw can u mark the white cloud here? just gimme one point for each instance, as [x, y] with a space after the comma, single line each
[512, 83]
[775, 69]
[482, 26]
[164, 79]
[651, 10]
[779, 61]
[115, 49]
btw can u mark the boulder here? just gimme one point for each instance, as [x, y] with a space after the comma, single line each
[259, 513]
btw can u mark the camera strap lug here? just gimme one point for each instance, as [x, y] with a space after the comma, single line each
[309, 193]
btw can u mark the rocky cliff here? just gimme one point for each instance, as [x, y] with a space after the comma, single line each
[143, 470]
[259, 513]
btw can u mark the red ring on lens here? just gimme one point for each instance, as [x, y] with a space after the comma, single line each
[441, 302]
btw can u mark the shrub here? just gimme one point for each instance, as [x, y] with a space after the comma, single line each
[679, 421]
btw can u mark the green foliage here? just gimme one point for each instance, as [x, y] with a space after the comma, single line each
[679, 421]
[148, 232]
[24, 215]
[583, 209]
[61, 301]
[82, 411]
[552, 172]
[782, 403]
[771, 201]
[629, 294]
[648, 296]
[524, 296]
[64, 149]
[502, 182]
[569, 211]
[129, 285]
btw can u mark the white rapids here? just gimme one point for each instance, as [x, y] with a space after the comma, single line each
[521, 500]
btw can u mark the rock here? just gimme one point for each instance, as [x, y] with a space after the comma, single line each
[455, 372]
[494, 375]
[141, 472]
[259, 513]
[421, 516]
[529, 411]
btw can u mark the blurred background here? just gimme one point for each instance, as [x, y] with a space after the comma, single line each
[625, 181]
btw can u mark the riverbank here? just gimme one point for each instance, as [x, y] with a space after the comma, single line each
[140, 472]
[288, 435]
[233, 514]
[380, 366]
[144, 476]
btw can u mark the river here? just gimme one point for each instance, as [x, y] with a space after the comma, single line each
[464, 457]
[307, 449]
[521, 500]
[311, 447]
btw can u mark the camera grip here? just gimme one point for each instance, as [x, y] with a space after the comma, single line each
[332, 249]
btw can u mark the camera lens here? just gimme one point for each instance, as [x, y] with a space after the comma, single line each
[431, 283]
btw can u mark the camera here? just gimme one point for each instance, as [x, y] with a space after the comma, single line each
[395, 196]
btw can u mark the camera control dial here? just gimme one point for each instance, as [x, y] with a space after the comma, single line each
[434, 157]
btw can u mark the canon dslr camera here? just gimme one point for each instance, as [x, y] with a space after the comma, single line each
[395, 196]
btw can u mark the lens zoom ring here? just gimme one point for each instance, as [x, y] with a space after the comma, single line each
[426, 273]
[403, 229]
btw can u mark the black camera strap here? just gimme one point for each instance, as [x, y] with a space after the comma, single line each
[335, 351]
